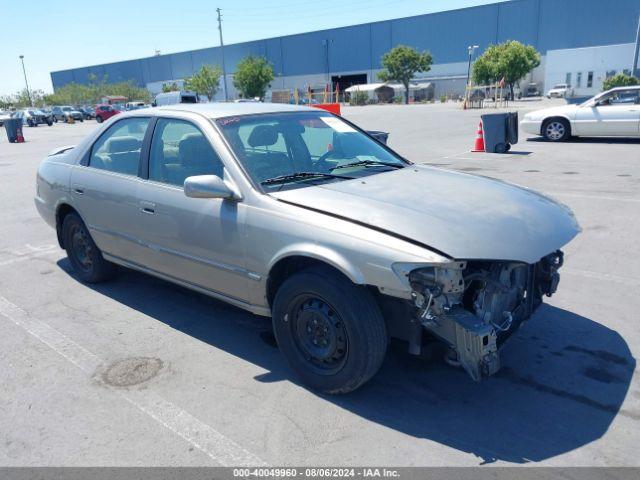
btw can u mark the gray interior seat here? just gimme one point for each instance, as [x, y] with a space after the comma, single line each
[122, 154]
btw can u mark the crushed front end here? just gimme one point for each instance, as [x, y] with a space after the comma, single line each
[474, 306]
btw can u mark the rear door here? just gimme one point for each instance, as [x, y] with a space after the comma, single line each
[104, 187]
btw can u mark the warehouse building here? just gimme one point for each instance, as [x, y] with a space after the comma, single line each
[578, 39]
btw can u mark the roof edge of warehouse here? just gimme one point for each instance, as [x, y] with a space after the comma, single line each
[296, 34]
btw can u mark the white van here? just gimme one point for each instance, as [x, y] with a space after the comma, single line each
[172, 98]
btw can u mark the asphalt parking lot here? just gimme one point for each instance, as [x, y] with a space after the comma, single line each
[139, 372]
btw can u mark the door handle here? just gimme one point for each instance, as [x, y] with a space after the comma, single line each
[79, 189]
[148, 207]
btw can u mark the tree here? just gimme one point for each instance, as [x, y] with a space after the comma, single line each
[22, 99]
[252, 77]
[205, 81]
[170, 87]
[401, 63]
[78, 94]
[620, 80]
[510, 60]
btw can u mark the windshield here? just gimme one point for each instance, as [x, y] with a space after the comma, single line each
[66, 109]
[298, 149]
[560, 85]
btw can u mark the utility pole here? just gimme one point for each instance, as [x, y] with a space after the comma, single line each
[25, 81]
[224, 69]
[636, 51]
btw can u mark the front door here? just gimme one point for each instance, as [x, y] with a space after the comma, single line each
[198, 241]
[616, 114]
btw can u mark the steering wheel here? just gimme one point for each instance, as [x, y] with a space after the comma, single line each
[322, 160]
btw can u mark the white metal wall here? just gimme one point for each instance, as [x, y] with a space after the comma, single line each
[601, 61]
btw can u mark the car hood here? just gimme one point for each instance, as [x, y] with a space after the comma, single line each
[464, 216]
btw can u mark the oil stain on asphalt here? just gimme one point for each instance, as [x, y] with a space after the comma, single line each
[132, 371]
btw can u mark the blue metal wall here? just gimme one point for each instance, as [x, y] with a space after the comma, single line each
[546, 24]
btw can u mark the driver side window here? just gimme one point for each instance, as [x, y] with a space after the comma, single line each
[621, 97]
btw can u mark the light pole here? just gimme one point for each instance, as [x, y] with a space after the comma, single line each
[25, 81]
[470, 49]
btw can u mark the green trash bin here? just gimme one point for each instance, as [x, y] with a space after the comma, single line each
[13, 127]
[500, 131]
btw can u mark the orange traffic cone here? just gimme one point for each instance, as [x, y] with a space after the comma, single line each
[479, 145]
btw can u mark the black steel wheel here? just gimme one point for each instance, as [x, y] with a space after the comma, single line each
[319, 334]
[84, 255]
[330, 330]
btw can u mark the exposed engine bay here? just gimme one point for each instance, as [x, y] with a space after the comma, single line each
[474, 306]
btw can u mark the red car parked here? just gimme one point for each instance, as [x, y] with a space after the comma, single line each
[104, 112]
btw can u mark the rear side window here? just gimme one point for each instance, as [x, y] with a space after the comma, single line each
[118, 149]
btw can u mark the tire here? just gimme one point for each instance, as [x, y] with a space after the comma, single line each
[99, 119]
[49, 122]
[85, 257]
[81, 119]
[556, 130]
[30, 123]
[330, 331]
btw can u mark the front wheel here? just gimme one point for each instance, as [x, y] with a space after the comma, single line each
[99, 119]
[85, 257]
[330, 330]
[556, 130]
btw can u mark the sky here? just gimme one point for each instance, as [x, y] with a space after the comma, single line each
[59, 34]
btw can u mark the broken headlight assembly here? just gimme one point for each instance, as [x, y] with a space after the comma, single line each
[474, 306]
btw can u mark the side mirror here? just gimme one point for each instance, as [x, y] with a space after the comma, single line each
[208, 186]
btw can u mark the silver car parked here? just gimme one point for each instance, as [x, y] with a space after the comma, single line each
[294, 213]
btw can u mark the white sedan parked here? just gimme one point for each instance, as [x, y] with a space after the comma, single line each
[615, 112]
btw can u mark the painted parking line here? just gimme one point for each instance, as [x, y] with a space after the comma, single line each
[609, 277]
[594, 197]
[205, 438]
[27, 252]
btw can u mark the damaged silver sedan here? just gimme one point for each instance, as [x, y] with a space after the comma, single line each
[297, 214]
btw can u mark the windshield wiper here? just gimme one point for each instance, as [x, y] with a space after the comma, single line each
[369, 163]
[301, 176]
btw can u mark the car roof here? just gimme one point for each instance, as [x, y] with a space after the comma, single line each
[220, 109]
[630, 87]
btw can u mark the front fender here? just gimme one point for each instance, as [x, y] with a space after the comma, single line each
[322, 253]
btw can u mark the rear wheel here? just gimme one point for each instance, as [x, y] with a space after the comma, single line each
[331, 331]
[556, 130]
[85, 257]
